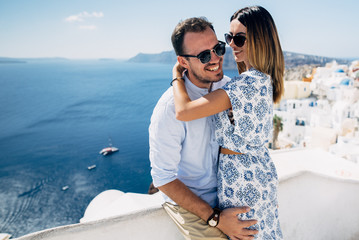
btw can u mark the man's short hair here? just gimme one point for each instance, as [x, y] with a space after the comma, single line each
[195, 24]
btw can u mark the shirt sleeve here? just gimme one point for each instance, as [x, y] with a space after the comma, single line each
[251, 104]
[166, 135]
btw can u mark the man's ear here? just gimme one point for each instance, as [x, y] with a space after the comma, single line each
[182, 61]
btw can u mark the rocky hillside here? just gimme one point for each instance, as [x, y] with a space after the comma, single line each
[291, 59]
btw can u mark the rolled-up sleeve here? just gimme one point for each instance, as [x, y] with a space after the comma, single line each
[166, 134]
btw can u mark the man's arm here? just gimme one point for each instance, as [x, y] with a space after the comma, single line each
[166, 135]
[228, 224]
[181, 195]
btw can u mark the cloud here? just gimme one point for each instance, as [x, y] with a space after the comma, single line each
[73, 18]
[81, 16]
[97, 14]
[88, 27]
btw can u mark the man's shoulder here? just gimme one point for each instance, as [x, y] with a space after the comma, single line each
[167, 98]
[164, 111]
[221, 83]
[165, 105]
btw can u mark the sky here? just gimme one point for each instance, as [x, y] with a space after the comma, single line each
[88, 29]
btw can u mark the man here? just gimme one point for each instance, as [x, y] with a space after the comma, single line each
[184, 155]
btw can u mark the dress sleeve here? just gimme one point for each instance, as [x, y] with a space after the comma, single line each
[251, 99]
[166, 134]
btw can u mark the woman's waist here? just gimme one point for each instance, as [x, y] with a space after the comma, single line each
[247, 149]
[229, 151]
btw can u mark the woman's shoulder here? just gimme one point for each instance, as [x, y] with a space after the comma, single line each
[248, 77]
[251, 77]
[251, 81]
[256, 74]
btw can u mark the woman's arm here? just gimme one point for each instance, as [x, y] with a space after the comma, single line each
[187, 110]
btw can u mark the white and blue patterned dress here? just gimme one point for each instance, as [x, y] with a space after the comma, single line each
[249, 179]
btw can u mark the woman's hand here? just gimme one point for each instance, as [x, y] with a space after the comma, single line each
[187, 110]
[177, 71]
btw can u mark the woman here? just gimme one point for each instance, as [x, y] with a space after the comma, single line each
[246, 174]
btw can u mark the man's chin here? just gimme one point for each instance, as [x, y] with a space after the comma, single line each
[219, 77]
[213, 80]
[209, 78]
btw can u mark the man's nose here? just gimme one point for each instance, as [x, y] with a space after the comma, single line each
[214, 57]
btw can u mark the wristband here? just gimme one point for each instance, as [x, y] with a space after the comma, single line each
[177, 78]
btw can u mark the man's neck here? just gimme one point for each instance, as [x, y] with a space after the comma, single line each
[198, 83]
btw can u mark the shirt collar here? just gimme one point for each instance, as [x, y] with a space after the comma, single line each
[193, 88]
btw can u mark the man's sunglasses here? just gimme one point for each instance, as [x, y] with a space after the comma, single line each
[237, 39]
[205, 56]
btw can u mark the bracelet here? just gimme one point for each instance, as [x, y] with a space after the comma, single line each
[177, 78]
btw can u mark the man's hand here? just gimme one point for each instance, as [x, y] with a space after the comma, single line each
[234, 228]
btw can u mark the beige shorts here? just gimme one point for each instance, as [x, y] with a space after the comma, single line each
[191, 226]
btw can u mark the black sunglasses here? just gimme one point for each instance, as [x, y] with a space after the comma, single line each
[237, 39]
[205, 56]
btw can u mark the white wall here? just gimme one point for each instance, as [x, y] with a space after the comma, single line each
[314, 207]
[146, 224]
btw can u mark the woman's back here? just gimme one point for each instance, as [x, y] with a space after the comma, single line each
[249, 178]
[252, 106]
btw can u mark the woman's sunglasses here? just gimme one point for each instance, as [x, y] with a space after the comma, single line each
[205, 56]
[237, 39]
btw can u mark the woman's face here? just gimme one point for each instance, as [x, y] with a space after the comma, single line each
[240, 53]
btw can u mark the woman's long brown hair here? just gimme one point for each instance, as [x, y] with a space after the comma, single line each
[263, 46]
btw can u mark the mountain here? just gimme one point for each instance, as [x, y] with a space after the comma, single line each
[291, 59]
[297, 59]
[163, 57]
[170, 57]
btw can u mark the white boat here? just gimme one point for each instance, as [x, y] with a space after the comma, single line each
[108, 150]
[64, 188]
[91, 167]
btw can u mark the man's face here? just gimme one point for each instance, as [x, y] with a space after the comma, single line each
[202, 74]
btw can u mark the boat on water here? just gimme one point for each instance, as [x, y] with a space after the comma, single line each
[64, 188]
[108, 150]
[91, 167]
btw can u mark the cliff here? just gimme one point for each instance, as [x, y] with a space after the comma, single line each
[291, 59]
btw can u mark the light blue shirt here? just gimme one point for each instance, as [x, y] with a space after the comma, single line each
[187, 151]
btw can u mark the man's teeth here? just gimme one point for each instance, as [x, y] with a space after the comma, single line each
[213, 69]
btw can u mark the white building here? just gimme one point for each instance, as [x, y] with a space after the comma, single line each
[319, 122]
[327, 78]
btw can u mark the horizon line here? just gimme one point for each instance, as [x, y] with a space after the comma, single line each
[127, 58]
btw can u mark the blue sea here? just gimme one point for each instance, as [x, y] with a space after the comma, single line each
[55, 117]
